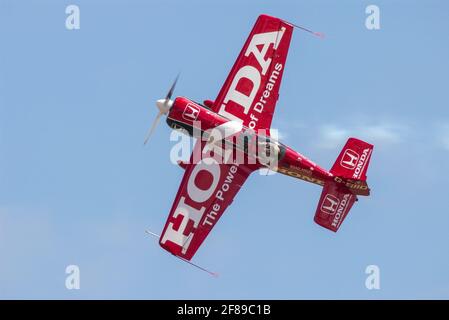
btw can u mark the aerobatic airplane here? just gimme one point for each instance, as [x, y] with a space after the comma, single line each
[237, 125]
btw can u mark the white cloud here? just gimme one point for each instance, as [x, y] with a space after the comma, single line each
[333, 136]
[383, 133]
[286, 129]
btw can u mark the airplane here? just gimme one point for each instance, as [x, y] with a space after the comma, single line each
[238, 122]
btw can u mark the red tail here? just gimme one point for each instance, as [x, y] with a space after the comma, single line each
[335, 203]
[339, 195]
[353, 161]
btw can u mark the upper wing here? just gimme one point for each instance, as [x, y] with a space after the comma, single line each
[207, 189]
[251, 89]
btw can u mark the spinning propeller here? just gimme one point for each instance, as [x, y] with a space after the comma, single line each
[164, 106]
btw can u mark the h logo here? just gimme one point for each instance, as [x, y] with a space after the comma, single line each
[191, 112]
[349, 159]
[330, 204]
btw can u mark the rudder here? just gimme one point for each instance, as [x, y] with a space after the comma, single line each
[353, 161]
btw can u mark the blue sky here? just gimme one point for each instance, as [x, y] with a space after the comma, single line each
[78, 187]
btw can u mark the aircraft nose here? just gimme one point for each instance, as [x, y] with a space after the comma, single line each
[164, 105]
[160, 104]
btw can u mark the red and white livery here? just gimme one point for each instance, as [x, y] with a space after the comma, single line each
[238, 122]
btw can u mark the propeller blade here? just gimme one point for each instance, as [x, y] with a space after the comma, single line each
[153, 126]
[164, 106]
[170, 92]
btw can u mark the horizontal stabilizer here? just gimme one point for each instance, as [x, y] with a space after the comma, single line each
[334, 205]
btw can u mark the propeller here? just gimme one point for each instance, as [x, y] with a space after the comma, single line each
[164, 106]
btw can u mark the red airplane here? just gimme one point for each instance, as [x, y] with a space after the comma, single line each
[238, 123]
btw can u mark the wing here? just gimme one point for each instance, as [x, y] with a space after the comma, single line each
[207, 189]
[251, 89]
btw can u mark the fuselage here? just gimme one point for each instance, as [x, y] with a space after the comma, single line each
[196, 118]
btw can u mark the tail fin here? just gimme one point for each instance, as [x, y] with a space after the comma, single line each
[339, 195]
[353, 161]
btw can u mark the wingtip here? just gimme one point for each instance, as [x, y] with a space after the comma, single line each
[320, 35]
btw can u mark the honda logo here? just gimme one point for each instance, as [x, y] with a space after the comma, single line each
[330, 204]
[191, 112]
[349, 159]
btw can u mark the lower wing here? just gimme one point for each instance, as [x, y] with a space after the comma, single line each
[207, 189]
